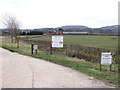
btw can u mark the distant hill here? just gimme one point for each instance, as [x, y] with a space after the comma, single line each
[114, 27]
[75, 28]
[108, 29]
[79, 28]
[3, 29]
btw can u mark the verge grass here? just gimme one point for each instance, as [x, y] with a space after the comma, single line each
[89, 68]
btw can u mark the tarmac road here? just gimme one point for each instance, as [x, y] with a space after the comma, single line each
[20, 71]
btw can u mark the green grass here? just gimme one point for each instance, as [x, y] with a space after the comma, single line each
[107, 42]
[89, 68]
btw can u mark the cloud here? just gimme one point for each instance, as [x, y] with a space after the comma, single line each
[54, 13]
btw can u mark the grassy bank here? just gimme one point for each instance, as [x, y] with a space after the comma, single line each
[89, 68]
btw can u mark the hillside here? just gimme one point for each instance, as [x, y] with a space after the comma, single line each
[75, 28]
[108, 29]
[79, 28]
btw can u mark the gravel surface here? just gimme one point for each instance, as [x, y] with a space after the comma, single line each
[20, 71]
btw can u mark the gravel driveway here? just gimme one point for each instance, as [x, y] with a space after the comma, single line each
[20, 71]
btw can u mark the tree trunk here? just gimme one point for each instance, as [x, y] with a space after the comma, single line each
[17, 44]
[11, 39]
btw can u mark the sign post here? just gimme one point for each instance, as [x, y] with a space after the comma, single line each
[106, 59]
[57, 41]
[110, 67]
[31, 48]
[35, 47]
[50, 50]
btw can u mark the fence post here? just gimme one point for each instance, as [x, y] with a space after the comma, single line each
[36, 51]
[110, 67]
[100, 67]
[66, 48]
[51, 50]
[31, 48]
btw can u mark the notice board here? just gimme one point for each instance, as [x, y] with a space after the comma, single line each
[57, 41]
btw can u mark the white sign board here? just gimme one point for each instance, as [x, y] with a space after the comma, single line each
[57, 41]
[106, 58]
[35, 47]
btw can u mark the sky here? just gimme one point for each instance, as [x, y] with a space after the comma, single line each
[56, 13]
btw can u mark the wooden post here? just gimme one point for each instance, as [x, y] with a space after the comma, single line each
[100, 67]
[50, 50]
[110, 67]
[36, 51]
[31, 48]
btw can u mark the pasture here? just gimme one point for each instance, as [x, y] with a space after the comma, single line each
[106, 42]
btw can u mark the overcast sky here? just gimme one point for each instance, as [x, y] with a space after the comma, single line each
[56, 13]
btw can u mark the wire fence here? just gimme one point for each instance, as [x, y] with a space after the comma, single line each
[87, 53]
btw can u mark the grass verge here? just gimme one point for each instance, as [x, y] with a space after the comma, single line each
[89, 68]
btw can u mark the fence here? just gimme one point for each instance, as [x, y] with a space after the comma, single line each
[87, 53]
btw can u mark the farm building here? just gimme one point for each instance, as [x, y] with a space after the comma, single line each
[59, 31]
[54, 32]
[74, 33]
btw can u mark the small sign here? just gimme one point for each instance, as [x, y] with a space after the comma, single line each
[106, 58]
[57, 41]
[35, 47]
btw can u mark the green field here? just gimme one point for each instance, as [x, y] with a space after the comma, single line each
[107, 42]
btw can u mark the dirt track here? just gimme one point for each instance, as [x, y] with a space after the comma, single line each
[20, 71]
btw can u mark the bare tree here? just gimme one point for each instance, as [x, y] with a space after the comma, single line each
[13, 25]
